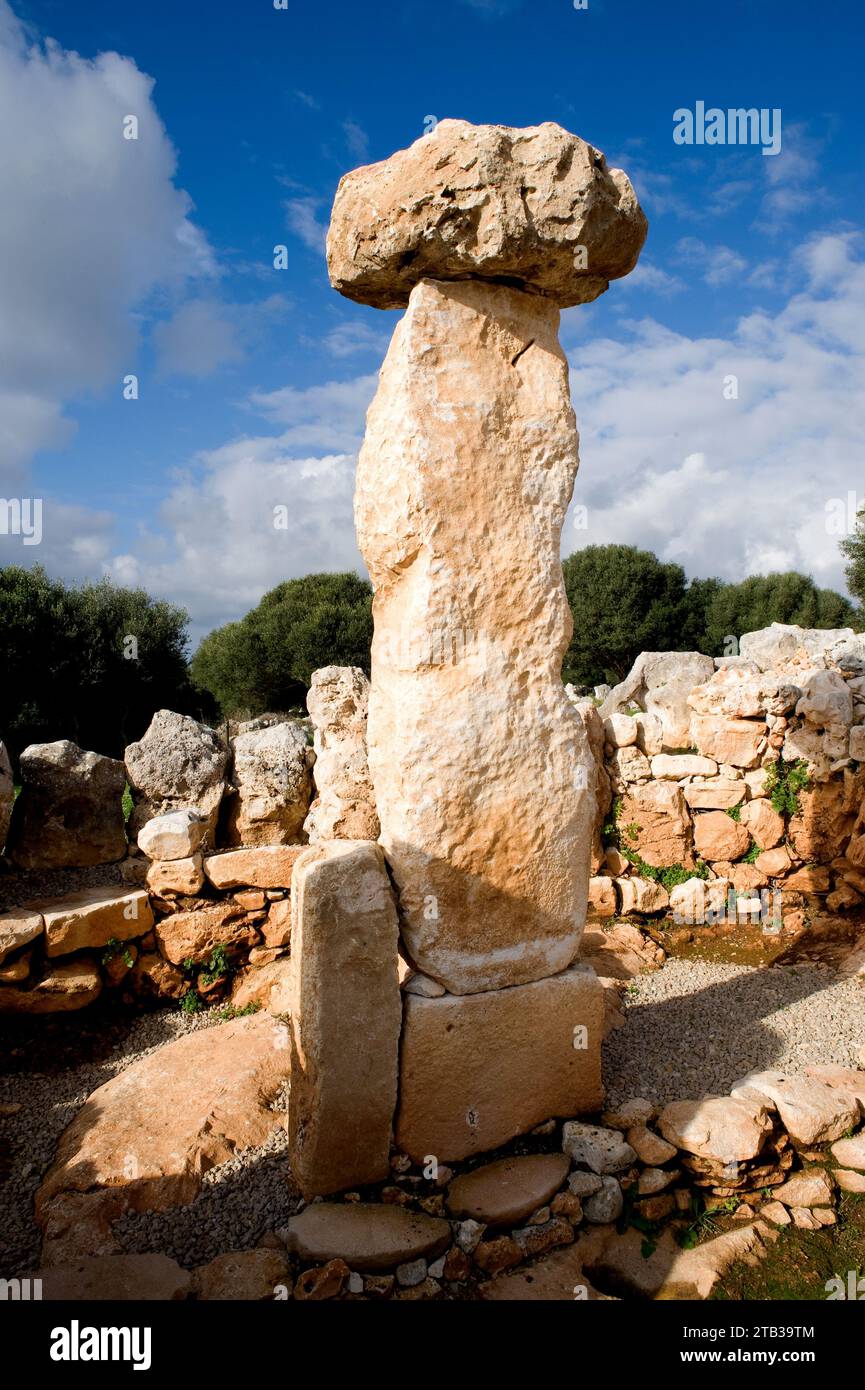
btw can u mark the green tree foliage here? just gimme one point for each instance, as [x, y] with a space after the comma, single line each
[266, 661]
[89, 663]
[772, 598]
[625, 601]
[854, 550]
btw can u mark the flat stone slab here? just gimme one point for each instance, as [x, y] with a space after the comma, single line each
[558, 1278]
[18, 928]
[366, 1236]
[116, 1278]
[149, 1135]
[265, 866]
[504, 1193]
[846, 1079]
[242, 1276]
[93, 917]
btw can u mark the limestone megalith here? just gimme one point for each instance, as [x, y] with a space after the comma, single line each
[482, 771]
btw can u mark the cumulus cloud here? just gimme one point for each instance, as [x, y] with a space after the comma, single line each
[730, 486]
[204, 335]
[301, 215]
[92, 225]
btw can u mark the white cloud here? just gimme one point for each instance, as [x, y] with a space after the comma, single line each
[355, 336]
[651, 277]
[92, 225]
[730, 487]
[301, 215]
[357, 141]
[329, 417]
[719, 265]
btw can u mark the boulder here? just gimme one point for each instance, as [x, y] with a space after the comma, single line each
[116, 1279]
[620, 730]
[654, 822]
[660, 682]
[194, 935]
[602, 1150]
[241, 1276]
[179, 764]
[534, 208]
[826, 817]
[718, 838]
[176, 876]
[721, 1128]
[851, 1152]
[642, 895]
[715, 793]
[826, 701]
[69, 813]
[812, 1188]
[344, 807]
[266, 866]
[147, 1137]
[602, 897]
[174, 835]
[675, 766]
[272, 780]
[763, 822]
[811, 1112]
[774, 646]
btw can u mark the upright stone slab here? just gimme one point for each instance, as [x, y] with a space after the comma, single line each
[483, 775]
[345, 1018]
[476, 1071]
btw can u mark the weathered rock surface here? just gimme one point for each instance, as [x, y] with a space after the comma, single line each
[179, 764]
[18, 928]
[811, 1112]
[851, 1152]
[476, 1070]
[602, 1150]
[70, 809]
[807, 1189]
[367, 1237]
[773, 646]
[193, 935]
[507, 1191]
[344, 808]
[660, 682]
[173, 835]
[654, 822]
[63, 989]
[176, 876]
[736, 742]
[721, 1128]
[345, 1017]
[272, 779]
[718, 838]
[266, 866]
[92, 917]
[482, 768]
[147, 1137]
[488, 203]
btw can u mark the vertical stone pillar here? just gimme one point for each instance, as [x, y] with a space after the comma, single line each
[345, 1017]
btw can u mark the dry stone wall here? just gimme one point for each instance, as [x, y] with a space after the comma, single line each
[759, 813]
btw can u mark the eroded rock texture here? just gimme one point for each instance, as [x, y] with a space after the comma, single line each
[537, 208]
[482, 770]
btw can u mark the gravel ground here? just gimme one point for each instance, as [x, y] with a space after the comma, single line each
[695, 1027]
[240, 1201]
[50, 1067]
[692, 1027]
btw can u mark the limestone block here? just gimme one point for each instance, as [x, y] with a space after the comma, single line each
[345, 1019]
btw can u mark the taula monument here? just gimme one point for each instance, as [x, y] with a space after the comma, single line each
[481, 765]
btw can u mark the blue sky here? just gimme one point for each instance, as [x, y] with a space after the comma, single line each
[155, 257]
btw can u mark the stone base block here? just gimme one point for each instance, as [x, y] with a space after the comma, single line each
[345, 1017]
[478, 1069]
